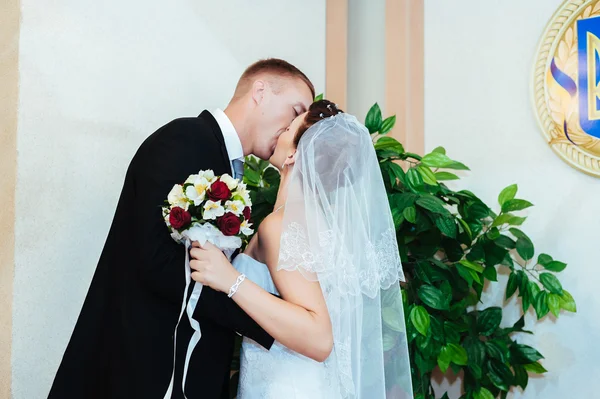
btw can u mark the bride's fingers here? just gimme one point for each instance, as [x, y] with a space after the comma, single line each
[196, 244]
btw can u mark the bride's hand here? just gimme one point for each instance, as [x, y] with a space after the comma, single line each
[212, 268]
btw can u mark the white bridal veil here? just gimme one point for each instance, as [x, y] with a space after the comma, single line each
[338, 229]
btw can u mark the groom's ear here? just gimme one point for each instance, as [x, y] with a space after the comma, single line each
[258, 91]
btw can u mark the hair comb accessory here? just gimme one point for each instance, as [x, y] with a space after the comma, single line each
[321, 115]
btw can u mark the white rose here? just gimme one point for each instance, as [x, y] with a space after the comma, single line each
[177, 198]
[235, 207]
[245, 228]
[213, 210]
[230, 181]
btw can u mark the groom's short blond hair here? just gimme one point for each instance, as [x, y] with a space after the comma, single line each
[274, 69]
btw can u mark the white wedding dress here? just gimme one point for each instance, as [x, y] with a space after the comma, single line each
[279, 373]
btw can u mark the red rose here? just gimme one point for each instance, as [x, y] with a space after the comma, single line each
[247, 213]
[218, 191]
[229, 224]
[179, 218]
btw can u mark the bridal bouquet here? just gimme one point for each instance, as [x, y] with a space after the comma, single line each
[205, 208]
[209, 208]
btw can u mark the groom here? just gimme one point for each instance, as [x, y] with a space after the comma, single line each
[122, 345]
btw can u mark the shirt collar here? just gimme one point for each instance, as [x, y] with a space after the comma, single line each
[232, 140]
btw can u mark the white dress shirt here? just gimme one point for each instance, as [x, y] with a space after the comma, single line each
[233, 143]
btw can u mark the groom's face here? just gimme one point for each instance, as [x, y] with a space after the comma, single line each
[278, 110]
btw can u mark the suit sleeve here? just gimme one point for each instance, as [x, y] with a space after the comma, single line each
[169, 159]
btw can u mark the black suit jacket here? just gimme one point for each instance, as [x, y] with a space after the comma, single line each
[122, 345]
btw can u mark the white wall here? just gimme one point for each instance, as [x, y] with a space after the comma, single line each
[478, 62]
[96, 78]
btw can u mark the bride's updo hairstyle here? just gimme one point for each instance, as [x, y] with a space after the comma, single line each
[317, 111]
[331, 145]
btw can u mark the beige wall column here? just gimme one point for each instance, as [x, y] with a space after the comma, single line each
[404, 26]
[336, 60]
[9, 90]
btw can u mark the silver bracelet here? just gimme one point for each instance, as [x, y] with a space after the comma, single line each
[235, 286]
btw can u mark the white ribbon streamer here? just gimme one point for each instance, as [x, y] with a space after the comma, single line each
[228, 244]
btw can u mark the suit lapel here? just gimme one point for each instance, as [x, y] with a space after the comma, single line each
[214, 126]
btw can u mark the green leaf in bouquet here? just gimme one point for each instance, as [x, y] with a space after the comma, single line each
[319, 97]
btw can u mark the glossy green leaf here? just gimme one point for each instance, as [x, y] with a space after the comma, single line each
[551, 283]
[410, 214]
[489, 320]
[535, 368]
[567, 302]
[516, 205]
[373, 120]
[419, 317]
[507, 194]
[433, 297]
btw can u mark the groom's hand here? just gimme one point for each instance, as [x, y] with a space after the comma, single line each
[211, 267]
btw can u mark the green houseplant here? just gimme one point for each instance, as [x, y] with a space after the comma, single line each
[452, 243]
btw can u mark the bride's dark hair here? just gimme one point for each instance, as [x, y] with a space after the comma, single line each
[317, 111]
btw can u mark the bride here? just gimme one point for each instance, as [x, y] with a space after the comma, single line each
[329, 254]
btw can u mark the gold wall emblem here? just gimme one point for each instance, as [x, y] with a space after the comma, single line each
[566, 84]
